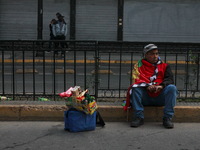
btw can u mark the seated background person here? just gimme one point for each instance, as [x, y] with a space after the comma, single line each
[152, 86]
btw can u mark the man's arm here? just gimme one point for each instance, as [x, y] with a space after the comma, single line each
[54, 29]
[168, 77]
[65, 30]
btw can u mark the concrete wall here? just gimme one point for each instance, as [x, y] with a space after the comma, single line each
[162, 21]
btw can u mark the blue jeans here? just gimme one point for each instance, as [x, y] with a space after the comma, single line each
[167, 98]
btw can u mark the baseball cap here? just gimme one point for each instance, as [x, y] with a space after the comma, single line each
[59, 15]
[149, 47]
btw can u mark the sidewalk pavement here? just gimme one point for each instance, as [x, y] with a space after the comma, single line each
[110, 111]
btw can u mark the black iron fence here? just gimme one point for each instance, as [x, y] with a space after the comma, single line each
[32, 69]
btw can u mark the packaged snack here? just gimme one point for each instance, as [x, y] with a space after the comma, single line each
[3, 98]
[79, 89]
[92, 107]
[75, 91]
[43, 99]
[68, 93]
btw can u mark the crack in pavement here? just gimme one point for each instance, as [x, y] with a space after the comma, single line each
[17, 145]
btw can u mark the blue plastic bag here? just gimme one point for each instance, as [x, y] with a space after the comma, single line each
[76, 121]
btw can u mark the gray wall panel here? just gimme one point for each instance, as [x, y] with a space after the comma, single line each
[162, 21]
[18, 19]
[96, 20]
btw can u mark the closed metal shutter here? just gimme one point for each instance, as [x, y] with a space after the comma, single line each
[96, 20]
[161, 21]
[18, 19]
[50, 8]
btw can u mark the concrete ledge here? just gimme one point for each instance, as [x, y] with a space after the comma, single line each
[110, 113]
[42, 113]
[9, 113]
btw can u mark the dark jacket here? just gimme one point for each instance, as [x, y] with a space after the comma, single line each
[50, 29]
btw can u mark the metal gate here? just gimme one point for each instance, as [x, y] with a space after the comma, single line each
[96, 20]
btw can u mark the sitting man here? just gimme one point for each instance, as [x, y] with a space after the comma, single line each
[152, 86]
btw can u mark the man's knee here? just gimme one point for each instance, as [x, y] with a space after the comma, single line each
[171, 88]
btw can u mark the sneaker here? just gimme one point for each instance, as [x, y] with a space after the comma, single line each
[137, 122]
[167, 123]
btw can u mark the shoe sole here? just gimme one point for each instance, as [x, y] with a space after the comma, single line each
[169, 127]
[137, 125]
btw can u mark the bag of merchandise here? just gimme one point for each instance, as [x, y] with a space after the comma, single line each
[76, 121]
[80, 100]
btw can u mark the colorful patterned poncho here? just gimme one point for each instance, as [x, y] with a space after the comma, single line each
[145, 74]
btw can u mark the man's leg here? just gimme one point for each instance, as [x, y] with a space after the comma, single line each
[62, 44]
[56, 45]
[168, 98]
[138, 97]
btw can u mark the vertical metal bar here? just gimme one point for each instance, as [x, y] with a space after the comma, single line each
[109, 71]
[54, 76]
[33, 71]
[198, 72]
[64, 71]
[96, 69]
[176, 69]
[23, 74]
[120, 68]
[72, 19]
[40, 19]
[44, 82]
[131, 68]
[165, 53]
[85, 79]
[13, 71]
[3, 74]
[75, 64]
[187, 72]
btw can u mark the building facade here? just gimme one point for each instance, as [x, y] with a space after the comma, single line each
[103, 20]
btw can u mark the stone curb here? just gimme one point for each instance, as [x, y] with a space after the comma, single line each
[110, 113]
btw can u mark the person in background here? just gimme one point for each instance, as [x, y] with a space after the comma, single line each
[51, 33]
[57, 14]
[59, 31]
[153, 85]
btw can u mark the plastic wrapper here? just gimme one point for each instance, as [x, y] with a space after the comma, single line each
[80, 100]
[68, 93]
[75, 91]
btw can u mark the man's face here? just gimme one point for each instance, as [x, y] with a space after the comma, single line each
[152, 56]
[60, 18]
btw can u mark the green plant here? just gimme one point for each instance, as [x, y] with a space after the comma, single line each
[90, 82]
[194, 60]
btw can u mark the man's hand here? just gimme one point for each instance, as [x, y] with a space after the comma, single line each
[155, 89]
[151, 88]
[158, 88]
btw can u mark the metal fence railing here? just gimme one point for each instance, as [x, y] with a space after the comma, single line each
[28, 70]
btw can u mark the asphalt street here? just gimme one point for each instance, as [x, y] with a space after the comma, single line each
[115, 135]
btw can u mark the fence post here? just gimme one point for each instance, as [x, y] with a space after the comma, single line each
[13, 71]
[96, 69]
